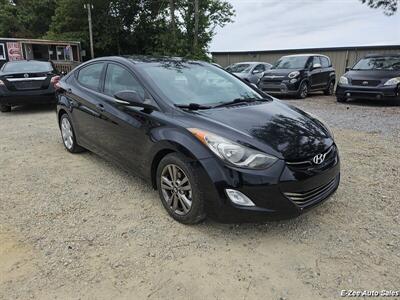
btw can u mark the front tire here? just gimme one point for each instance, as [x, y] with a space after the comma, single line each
[179, 189]
[5, 108]
[68, 135]
[303, 90]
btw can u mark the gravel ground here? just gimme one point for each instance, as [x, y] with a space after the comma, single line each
[77, 227]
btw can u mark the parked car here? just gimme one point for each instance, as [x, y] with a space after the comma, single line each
[25, 82]
[298, 75]
[249, 71]
[219, 148]
[373, 77]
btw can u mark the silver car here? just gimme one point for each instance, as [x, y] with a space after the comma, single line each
[249, 71]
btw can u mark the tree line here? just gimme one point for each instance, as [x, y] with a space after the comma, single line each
[156, 27]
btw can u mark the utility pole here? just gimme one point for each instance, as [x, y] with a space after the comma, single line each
[196, 24]
[89, 7]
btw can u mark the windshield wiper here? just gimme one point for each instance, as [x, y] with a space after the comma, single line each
[193, 106]
[238, 101]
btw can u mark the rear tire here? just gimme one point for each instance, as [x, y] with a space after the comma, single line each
[177, 182]
[303, 90]
[5, 108]
[331, 88]
[68, 135]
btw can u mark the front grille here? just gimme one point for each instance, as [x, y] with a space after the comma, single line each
[271, 85]
[365, 82]
[28, 85]
[330, 158]
[307, 198]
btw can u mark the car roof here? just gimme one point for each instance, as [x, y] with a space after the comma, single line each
[305, 54]
[382, 55]
[142, 59]
[251, 63]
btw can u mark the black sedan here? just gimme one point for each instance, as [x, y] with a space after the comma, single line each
[27, 82]
[211, 144]
[375, 77]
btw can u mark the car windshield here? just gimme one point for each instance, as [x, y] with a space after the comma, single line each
[378, 63]
[28, 66]
[192, 82]
[239, 68]
[291, 62]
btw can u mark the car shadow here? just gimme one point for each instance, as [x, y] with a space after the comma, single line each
[32, 108]
[372, 103]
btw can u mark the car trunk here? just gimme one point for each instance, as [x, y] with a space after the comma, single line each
[27, 81]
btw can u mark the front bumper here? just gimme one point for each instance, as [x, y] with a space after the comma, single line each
[380, 92]
[278, 192]
[284, 87]
[8, 97]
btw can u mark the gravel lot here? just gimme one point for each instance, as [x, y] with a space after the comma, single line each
[77, 227]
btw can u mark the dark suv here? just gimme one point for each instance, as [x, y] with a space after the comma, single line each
[298, 75]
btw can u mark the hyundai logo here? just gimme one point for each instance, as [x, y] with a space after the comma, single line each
[319, 159]
[365, 82]
[26, 75]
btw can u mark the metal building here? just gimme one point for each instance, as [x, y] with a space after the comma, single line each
[341, 57]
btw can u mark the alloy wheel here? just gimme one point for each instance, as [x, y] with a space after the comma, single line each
[331, 87]
[67, 134]
[176, 189]
[304, 91]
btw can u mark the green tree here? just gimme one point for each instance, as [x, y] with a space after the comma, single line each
[143, 26]
[389, 6]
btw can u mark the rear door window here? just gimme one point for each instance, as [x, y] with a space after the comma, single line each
[259, 68]
[325, 62]
[120, 79]
[90, 76]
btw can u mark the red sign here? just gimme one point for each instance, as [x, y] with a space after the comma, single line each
[14, 51]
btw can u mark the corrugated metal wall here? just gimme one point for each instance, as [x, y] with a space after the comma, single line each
[341, 57]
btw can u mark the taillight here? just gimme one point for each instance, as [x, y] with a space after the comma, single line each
[55, 81]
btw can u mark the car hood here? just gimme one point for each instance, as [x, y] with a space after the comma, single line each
[272, 127]
[240, 75]
[372, 74]
[279, 72]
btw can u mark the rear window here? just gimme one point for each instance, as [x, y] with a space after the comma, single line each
[28, 66]
[378, 63]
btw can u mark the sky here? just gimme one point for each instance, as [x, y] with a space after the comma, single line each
[291, 24]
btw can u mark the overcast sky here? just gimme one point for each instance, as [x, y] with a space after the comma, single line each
[284, 24]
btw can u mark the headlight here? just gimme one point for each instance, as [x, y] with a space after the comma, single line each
[393, 81]
[234, 153]
[323, 123]
[343, 80]
[294, 74]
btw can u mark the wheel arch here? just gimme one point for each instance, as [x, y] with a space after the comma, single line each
[175, 143]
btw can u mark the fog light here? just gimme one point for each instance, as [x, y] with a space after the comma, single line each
[348, 94]
[294, 80]
[239, 198]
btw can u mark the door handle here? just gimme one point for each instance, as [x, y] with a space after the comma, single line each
[100, 106]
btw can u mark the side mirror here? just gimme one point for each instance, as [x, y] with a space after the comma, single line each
[317, 66]
[131, 98]
[347, 69]
[256, 72]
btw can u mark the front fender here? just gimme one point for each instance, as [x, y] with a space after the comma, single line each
[180, 140]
